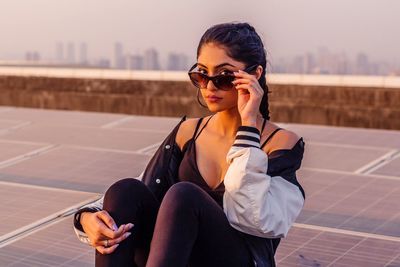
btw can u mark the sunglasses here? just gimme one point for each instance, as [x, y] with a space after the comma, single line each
[220, 81]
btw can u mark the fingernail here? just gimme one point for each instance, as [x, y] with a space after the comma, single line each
[127, 234]
[115, 228]
[131, 225]
[116, 245]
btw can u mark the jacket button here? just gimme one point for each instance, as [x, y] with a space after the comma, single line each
[167, 147]
[158, 181]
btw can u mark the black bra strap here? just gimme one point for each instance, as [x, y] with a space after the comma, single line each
[270, 136]
[197, 127]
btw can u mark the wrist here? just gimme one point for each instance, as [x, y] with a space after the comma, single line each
[82, 216]
[250, 123]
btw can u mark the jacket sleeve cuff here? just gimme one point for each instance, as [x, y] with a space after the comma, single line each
[247, 137]
[77, 217]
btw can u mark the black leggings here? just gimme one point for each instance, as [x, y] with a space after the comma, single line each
[189, 228]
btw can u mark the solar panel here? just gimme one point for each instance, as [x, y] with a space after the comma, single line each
[24, 205]
[76, 168]
[351, 177]
[55, 245]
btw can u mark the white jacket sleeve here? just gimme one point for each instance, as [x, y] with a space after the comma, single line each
[92, 207]
[254, 202]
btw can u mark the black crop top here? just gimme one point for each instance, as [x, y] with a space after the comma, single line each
[188, 169]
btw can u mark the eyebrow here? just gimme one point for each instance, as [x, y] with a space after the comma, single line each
[218, 66]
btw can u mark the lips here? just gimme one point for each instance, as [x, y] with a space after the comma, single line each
[213, 97]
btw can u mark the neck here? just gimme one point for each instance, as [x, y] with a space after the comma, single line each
[227, 122]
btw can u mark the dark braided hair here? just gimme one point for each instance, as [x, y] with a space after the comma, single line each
[243, 44]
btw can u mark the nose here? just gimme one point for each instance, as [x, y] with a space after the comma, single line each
[211, 86]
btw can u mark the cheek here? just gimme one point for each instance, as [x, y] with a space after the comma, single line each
[232, 96]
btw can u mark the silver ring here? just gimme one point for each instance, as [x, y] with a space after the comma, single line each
[107, 243]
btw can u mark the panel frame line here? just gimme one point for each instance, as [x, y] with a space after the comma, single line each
[43, 223]
[27, 156]
[346, 232]
[145, 150]
[15, 127]
[117, 122]
[367, 175]
[379, 162]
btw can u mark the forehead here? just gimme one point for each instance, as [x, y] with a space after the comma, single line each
[212, 55]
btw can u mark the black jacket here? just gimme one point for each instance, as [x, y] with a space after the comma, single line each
[162, 172]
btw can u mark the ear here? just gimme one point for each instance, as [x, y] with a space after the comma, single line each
[259, 71]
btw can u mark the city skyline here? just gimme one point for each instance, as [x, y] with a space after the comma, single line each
[321, 61]
[288, 27]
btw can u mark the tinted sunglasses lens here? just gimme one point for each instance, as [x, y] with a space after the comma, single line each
[198, 80]
[224, 82]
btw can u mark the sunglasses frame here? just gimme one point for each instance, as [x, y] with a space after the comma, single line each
[215, 78]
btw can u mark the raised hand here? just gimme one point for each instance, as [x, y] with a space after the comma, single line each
[250, 95]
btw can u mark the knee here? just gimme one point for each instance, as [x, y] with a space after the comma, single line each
[125, 190]
[183, 194]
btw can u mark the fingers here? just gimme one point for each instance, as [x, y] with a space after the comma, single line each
[109, 250]
[112, 242]
[107, 219]
[246, 75]
[249, 88]
[245, 78]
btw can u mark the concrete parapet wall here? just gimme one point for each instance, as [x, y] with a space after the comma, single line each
[370, 102]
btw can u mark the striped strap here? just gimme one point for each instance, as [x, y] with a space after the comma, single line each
[247, 137]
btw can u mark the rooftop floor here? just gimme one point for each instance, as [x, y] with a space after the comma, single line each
[53, 162]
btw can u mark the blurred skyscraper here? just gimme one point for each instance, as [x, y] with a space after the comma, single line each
[83, 54]
[177, 61]
[151, 61]
[119, 57]
[60, 52]
[136, 62]
[70, 53]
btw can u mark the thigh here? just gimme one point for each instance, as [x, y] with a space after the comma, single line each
[217, 242]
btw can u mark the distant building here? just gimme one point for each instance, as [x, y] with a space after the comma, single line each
[102, 63]
[70, 53]
[177, 61]
[151, 61]
[119, 58]
[60, 52]
[136, 62]
[32, 56]
[362, 64]
[83, 54]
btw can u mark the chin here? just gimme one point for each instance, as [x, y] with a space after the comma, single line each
[214, 108]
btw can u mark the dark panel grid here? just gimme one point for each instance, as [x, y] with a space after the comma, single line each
[11, 150]
[86, 136]
[346, 135]
[6, 124]
[60, 117]
[340, 158]
[21, 205]
[55, 245]
[392, 168]
[149, 123]
[351, 202]
[306, 247]
[77, 169]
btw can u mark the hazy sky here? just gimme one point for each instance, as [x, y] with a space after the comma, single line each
[287, 27]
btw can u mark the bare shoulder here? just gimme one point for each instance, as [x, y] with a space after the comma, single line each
[283, 139]
[185, 131]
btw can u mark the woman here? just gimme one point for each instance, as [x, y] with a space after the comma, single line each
[220, 191]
